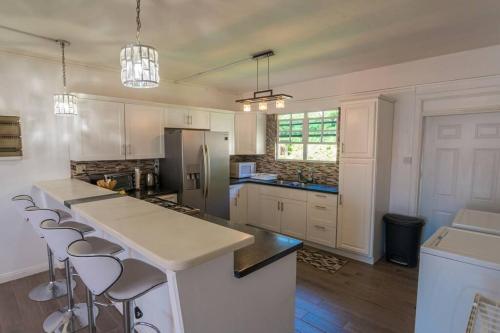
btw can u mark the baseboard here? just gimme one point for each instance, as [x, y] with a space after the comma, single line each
[367, 260]
[10, 276]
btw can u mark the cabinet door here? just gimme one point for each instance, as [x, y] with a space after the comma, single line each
[98, 131]
[245, 130]
[354, 224]
[238, 203]
[144, 131]
[270, 214]
[175, 117]
[223, 122]
[293, 218]
[199, 119]
[233, 204]
[253, 204]
[357, 129]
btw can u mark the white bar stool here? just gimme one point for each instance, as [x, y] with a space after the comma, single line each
[121, 281]
[73, 317]
[53, 288]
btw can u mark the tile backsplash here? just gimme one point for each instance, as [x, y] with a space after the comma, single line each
[97, 168]
[324, 173]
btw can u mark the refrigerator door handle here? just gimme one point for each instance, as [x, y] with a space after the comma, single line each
[205, 174]
[208, 170]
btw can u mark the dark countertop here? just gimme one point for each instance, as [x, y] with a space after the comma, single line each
[288, 184]
[267, 248]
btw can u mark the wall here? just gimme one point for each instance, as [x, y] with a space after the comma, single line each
[474, 68]
[26, 88]
[324, 173]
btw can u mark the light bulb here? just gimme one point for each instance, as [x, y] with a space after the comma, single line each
[262, 106]
[247, 107]
[280, 104]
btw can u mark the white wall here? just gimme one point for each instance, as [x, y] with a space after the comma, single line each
[474, 68]
[27, 85]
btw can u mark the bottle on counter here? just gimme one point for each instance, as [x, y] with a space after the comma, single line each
[137, 176]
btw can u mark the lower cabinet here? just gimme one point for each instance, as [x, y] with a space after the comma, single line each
[253, 204]
[238, 204]
[293, 218]
[270, 213]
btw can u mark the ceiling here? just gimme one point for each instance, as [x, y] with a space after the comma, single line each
[311, 38]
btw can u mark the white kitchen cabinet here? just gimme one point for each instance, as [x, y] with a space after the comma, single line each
[98, 131]
[357, 123]
[250, 133]
[144, 131]
[186, 117]
[293, 218]
[223, 122]
[321, 233]
[270, 213]
[355, 205]
[238, 203]
[253, 204]
[364, 175]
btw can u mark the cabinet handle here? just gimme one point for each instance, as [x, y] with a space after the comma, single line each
[124, 149]
[282, 206]
[342, 149]
[321, 207]
[320, 196]
[319, 227]
[278, 205]
[340, 199]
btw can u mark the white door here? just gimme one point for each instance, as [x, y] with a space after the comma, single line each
[294, 218]
[245, 128]
[176, 117]
[270, 214]
[357, 129]
[199, 119]
[223, 122]
[144, 131]
[460, 167]
[99, 131]
[355, 205]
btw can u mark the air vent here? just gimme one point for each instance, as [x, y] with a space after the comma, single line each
[10, 137]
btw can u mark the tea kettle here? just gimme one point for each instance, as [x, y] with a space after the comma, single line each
[151, 179]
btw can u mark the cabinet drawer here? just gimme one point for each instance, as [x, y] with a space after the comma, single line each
[326, 214]
[283, 193]
[321, 233]
[322, 199]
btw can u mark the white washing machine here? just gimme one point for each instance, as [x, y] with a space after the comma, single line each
[455, 265]
[477, 220]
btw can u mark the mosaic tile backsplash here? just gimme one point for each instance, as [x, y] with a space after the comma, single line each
[97, 168]
[324, 173]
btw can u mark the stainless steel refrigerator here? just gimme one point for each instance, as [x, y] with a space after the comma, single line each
[196, 164]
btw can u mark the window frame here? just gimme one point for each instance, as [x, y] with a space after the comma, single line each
[305, 136]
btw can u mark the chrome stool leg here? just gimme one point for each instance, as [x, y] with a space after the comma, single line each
[52, 289]
[71, 318]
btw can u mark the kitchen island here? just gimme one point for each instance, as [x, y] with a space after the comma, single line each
[202, 293]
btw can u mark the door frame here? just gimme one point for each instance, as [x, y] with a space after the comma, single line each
[481, 96]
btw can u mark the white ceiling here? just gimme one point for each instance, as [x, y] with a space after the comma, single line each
[311, 38]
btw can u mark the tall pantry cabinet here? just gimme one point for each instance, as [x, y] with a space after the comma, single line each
[366, 127]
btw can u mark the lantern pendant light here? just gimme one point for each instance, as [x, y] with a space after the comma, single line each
[139, 62]
[65, 104]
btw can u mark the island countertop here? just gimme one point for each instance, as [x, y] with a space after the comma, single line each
[172, 240]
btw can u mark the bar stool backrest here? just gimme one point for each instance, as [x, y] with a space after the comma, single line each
[21, 202]
[59, 237]
[99, 272]
[37, 215]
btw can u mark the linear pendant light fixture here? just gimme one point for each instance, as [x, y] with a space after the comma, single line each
[139, 62]
[65, 104]
[263, 96]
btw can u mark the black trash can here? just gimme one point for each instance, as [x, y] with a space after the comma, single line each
[402, 239]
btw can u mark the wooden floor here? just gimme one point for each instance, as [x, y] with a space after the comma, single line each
[358, 298]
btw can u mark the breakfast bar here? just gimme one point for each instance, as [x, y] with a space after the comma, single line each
[203, 292]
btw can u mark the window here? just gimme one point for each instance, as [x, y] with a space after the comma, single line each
[310, 136]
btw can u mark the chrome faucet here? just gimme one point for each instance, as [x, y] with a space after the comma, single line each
[304, 179]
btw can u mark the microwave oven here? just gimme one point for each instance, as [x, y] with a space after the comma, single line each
[242, 169]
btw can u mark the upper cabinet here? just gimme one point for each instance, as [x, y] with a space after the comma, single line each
[223, 122]
[250, 133]
[98, 131]
[144, 131]
[357, 132]
[185, 117]
[115, 131]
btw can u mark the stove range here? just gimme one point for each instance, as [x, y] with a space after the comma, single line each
[173, 205]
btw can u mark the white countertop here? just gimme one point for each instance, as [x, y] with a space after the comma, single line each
[70, 189]
[172, 240]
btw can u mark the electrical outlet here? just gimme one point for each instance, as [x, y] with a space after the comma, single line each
[80, 168]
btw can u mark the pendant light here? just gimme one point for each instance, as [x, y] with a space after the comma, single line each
[139, 62]
[263, 96]
[65, 104]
